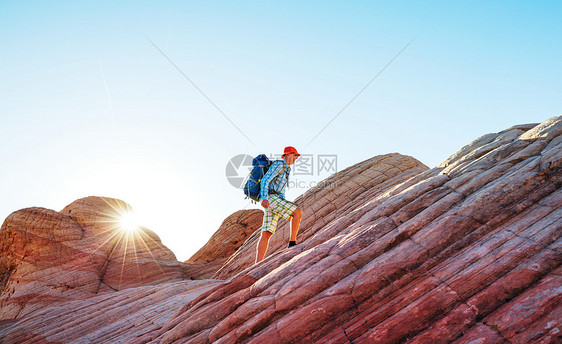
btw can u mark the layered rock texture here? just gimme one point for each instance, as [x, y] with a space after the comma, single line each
[51, 257]
[232, 233]
[390, 251]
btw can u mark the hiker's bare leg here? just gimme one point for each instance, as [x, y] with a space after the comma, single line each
[262, 245]
[295, 223]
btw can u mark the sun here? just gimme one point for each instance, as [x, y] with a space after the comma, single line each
[129, 222]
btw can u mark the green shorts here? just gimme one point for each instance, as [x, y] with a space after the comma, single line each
[278, 207]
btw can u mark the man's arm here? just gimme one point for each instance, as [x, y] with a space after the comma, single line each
[274, 170]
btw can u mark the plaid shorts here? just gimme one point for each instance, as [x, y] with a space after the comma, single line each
[278, 207]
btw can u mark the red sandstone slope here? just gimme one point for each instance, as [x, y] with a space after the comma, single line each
[52, 257]
[469, 251]
[76, 276]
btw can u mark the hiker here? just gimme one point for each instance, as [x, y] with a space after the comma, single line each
[272, 196]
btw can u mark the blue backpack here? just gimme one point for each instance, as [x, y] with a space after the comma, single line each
[252, 187]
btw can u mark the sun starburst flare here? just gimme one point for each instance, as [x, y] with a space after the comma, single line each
[128, 222]
[125, 241]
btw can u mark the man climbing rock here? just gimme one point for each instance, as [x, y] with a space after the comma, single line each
[272, 196]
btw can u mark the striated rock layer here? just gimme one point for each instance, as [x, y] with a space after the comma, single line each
[53, 257]
[390, 252]
[467, 251]
[232, 233]
[105, 318]
[335, 198]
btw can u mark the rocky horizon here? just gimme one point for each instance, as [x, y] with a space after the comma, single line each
[392, 252]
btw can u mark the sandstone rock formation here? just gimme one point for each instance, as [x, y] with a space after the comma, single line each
[390, 252]
[467, 251]
[52, 257]
[111, 317]
[232, 233]
[334, 198]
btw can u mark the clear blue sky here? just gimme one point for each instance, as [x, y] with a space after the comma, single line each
[89, 106]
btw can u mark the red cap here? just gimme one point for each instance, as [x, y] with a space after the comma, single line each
[289, 150]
